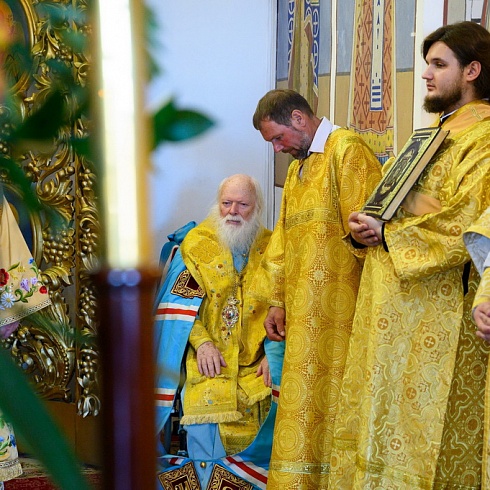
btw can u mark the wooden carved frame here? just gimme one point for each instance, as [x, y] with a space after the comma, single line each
[62, 361]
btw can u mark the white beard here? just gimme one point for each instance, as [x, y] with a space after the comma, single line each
[238, 238]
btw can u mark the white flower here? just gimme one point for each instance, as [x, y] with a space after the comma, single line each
[7, 300]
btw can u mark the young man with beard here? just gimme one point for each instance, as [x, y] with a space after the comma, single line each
[227, 392]
[310, 279]
[412, 399]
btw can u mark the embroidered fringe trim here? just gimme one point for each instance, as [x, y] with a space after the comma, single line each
[253, 399]
[10, 470]
[211, 418]
[25, 312]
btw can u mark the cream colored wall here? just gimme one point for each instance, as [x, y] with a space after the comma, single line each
[404, 107]
[429, 16]
[324, 96]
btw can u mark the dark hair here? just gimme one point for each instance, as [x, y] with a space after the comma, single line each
[469, 42]
[277, 105]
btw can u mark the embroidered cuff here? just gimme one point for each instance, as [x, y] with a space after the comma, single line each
[385, 245]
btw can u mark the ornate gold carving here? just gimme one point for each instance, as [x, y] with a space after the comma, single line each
[57, 346]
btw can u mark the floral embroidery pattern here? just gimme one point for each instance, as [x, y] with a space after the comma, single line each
[7, 440]
[26, 286]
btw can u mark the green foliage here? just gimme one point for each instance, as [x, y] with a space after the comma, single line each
[45, 122]
[151, 42]
[22, 182]
[32, 421]
[172, 124]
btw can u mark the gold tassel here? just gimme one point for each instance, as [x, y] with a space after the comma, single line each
[214, 418]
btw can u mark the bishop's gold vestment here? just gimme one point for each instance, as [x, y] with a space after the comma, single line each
[310, 272]
[228, 396]
[411, 407]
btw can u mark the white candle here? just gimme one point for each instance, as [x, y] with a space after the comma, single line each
[122, 136]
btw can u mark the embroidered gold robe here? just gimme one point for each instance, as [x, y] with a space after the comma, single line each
[411, 406]
[477, 240]
[226, 397]
[311, 273]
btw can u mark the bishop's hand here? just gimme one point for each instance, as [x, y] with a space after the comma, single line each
[265, 372]
[209, 360]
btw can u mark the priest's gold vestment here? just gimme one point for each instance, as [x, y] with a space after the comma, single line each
[228, 396]
[477, 239]
[411, 407]
[310, 272]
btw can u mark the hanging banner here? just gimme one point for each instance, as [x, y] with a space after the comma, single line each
[303, 48]
[372, 83]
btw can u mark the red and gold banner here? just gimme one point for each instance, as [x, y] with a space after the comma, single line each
[371, 102]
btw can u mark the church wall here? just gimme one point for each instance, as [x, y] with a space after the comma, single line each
[219, 58]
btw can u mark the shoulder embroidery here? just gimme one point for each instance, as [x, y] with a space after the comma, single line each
[222, 479]
[186, 286]
[183, 477]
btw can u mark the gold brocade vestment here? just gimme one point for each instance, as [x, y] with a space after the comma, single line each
[311, 273]
[411, 407]
[477, 239]
[219, 399]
